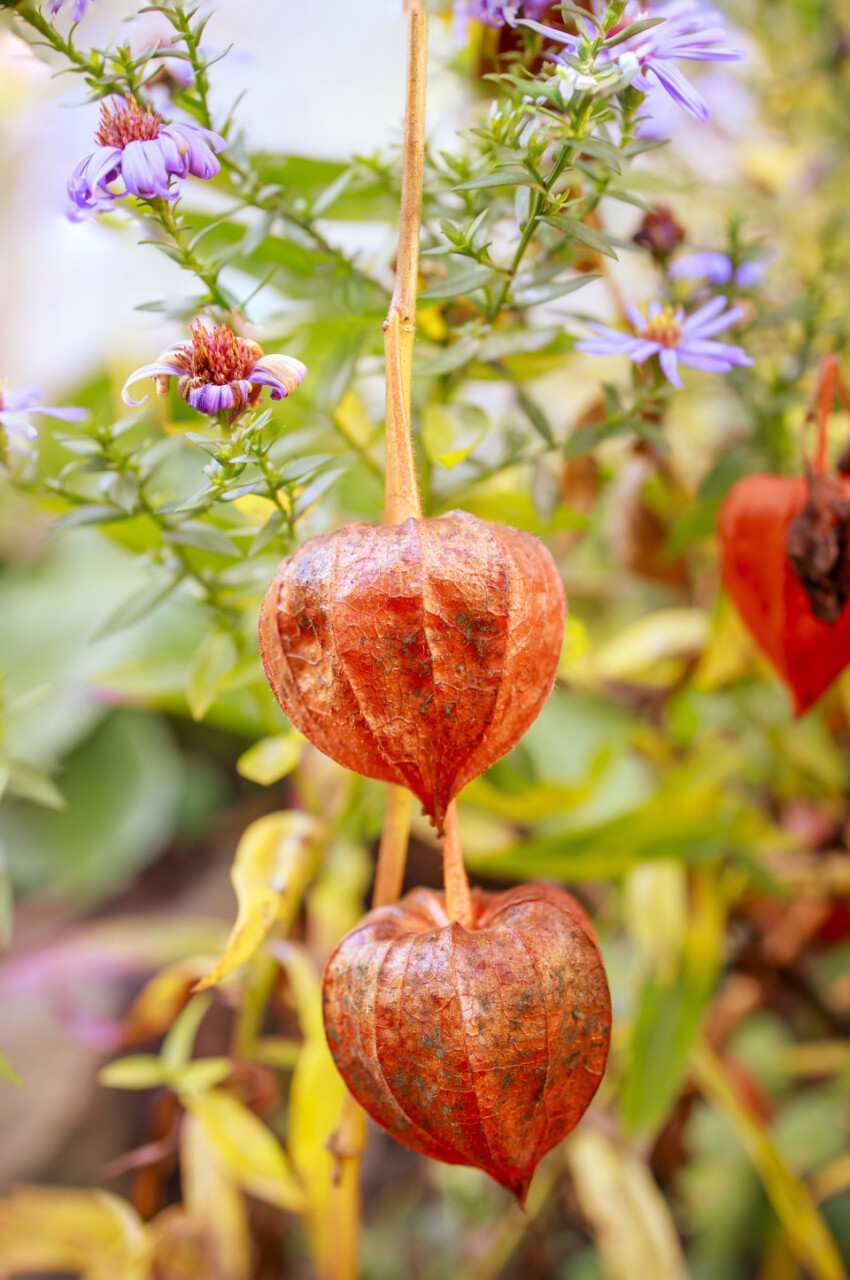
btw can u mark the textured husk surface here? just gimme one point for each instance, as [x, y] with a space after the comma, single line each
[417, 653]
[481, 1047]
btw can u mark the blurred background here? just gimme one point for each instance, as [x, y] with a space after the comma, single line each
[666, 783]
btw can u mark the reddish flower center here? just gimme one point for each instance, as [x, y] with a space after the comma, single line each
[128, 123]
[666, 327]
[219, 356]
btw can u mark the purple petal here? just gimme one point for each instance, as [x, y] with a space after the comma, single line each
[212, 398]
[679, 88]
[284, 374]
[637, 318]
[18, 401]
[706, 312]
[669, 362]
[716, 267]
[144, 170]
[197, 148]
[160, 369]
[64, 415]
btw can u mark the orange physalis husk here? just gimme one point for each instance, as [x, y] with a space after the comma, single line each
[480, 1046]
[418, 653]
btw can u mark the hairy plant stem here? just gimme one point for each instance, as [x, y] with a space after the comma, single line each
[402, 490]
[459, 905]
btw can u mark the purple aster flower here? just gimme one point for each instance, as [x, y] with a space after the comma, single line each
[496, 13]
[217, 371]
[77, 11]
[673, 336]
[718, 268]
[146, 154]
[688, 31]
[16, 432]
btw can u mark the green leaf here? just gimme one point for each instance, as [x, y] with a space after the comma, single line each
[31, 783]
[581, 233]
[517, 341]
[602, 150]
[536, 294]
[669, 1013]
[204, 537]
[536, 417]
[502, 178]
[332, 193]
[451, 432]
[213, 662]
[464, 282]
[267, 533]
[586, 439]
[134, 608]
[90, 513]
[450, 358]
[633, 29]
[271, 759]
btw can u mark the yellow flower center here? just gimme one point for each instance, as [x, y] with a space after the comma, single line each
[666, 327]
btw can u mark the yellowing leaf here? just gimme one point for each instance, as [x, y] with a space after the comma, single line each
[793, 1203]
[669, 633]
[255, 506]
[731, 651]
[90, 1233]
[450, 432]
[320, 1108]
[656, 910]
[214, 1203]
[8, 1072]
[353, 419]
[274, 863]
[576, 644]
[271, 759]
[247, 1151]
[141, 1071]
[161, 1000]
[631, 1221]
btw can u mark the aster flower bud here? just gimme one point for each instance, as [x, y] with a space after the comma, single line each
[659, 232]
[146, 154]
[217, 371]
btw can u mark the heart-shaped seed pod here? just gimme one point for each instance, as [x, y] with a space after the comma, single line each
[771, 541]
[416, 653]
[479, 1046]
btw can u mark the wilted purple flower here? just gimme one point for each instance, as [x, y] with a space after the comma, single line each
[672, 336]
[16, 432]
[718, 268]
[688, 31]
[217, 371]
[136, 146]
[79, 7]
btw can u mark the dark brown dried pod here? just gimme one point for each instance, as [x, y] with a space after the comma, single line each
[416, 653]
[479, 1046]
